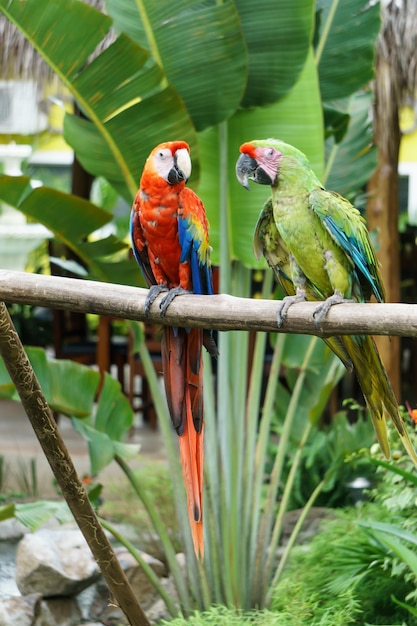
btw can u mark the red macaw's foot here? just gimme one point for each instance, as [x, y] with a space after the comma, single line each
[285, 304]
[322, 309]
[154, 291]
[172, 293]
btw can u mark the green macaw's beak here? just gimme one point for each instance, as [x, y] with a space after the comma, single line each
[248, 169]
[245, 168]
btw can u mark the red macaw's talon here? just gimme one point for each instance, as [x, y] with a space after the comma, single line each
[169, 232]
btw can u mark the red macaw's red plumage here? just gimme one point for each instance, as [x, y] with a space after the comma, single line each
[169, 233]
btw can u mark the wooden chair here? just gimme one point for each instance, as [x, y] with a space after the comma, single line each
[136, 369]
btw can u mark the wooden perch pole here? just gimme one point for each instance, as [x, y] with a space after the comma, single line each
[46, 430]
[220, 312]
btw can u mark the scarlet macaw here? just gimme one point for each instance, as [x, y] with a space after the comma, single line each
[318, 245]
[169, 232]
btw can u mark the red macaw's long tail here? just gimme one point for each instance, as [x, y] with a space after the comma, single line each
[183, 377]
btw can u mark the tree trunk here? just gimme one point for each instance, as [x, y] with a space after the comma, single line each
[382, 208]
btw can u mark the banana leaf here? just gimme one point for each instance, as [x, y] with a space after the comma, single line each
[297, 119]
[123, 93]
[345, 45]
[200, 47]
[72, 220]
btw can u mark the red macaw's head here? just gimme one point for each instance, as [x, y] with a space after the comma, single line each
[171, 161]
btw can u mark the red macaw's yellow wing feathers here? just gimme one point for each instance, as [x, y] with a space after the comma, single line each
[183, 376]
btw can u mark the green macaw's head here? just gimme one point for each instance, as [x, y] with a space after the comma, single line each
[261, 161]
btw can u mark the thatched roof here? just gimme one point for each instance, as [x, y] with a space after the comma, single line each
[18, 58]
[395, 82]
[397, 46]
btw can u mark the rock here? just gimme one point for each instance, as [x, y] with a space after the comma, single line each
[310, 527]
[54, 563]
[158, 611]
[19, 610]
[104, 609]
[12, 530]
[59, 612]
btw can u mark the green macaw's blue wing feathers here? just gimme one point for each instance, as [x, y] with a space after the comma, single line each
[348, 230]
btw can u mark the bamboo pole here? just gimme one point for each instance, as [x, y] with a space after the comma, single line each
[219, 312]
[46, 430]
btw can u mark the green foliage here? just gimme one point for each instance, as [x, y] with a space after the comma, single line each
[72, 220]
[344, 43]
[117, 506]
[350, 162]
[358, 565]
[374, 551]
[23, 483]
[331, 453]
[137, 92]
[35, 514]
[298, 610]
[70, 389]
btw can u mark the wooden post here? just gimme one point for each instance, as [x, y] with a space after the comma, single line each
[382, 207]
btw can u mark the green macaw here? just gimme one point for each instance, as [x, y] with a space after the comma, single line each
[318, 245]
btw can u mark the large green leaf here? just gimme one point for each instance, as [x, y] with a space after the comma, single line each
[72, 220]
[108, 427]
[69, 387]
[297, 118]
[345, 45]
[200, 47]
[35, 514]
[351, 162]
[278, 36]
[116, 92]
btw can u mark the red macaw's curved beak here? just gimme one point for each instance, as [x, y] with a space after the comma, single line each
[181, 170]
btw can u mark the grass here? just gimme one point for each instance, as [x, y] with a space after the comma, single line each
[121, 504]
[20, 483]
[355, 580]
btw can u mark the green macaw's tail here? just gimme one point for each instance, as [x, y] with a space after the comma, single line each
[377, 391]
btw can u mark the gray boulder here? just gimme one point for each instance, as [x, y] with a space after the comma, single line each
[54, 563]
[20, 610]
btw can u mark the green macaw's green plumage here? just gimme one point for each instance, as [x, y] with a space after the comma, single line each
[318, 245]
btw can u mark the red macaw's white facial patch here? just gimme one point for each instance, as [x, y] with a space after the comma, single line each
[165, 161]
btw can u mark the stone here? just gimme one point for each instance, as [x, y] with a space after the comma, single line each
[158, 610]
[104, 609]
[54, 563]
[59, 612]
[19, 610]
[12, 530]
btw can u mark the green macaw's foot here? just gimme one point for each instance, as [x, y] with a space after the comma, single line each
[154, 291]
[322, 309]
[172, 293]
[285, 304]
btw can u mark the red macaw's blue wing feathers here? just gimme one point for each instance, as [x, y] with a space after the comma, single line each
[194, 243]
